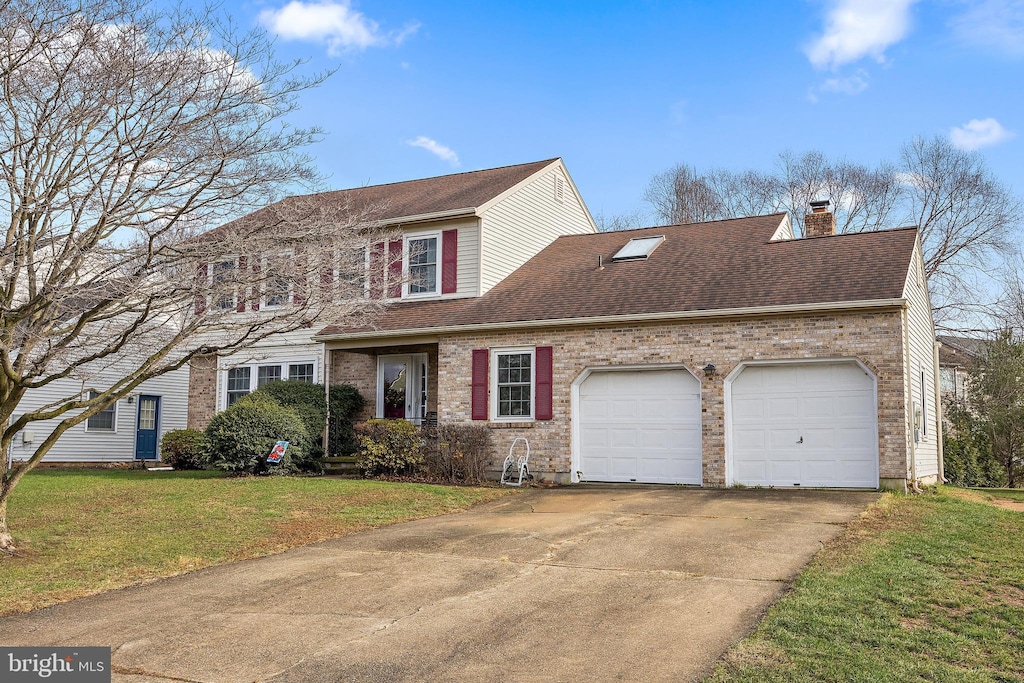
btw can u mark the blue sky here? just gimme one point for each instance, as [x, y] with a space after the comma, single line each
[623, 91]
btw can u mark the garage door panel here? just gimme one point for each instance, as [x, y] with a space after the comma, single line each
[640, 426]
[779, 407]
[785, 471]
[747, 409]
[855, 405]
[807, 424]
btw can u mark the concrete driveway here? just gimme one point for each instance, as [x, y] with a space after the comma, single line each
[581, 583]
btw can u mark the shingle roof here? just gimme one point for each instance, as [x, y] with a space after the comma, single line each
[728, 264]
[959, 351]
[392, 201]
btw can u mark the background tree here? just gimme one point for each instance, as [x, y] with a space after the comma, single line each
[968, 220]
[126, 132]
[997, 396]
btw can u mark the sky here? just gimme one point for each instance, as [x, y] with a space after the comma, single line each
[622, 91]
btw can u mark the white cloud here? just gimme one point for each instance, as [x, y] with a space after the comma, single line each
[992, 24]
[855, 29]
[333, 23]
[436, 148]
[978, 133]
[850, 85]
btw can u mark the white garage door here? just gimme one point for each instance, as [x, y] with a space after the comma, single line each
[804, 424]
[640, 426]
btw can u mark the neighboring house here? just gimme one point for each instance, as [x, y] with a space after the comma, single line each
[716, 354]
[128, 430]
[956, 356]
[461, 235]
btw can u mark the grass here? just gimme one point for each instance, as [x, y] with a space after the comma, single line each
[86, 531]
[920, 588]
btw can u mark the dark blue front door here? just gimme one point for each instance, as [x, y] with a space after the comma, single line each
[148, 425]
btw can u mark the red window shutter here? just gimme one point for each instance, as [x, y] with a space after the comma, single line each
[449, 261]
[480, 380]
[395, 269]
[543, 407]
[299, 284]
[377, 271]
[241, 289]
[202, 273]
[327, 272]
[256, 285]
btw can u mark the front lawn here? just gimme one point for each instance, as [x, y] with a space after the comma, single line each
[922, 588]
[81, 532]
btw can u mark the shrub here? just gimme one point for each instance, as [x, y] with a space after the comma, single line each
[389, 447]
[458, 452]
[184, 449]
[967, 451]
[308, 400]
[241, 437]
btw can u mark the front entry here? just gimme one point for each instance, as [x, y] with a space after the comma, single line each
[147, 427]
[402, 387]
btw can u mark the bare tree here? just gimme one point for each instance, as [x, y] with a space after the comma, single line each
[622, 221]
[125, 134]
[968, 221]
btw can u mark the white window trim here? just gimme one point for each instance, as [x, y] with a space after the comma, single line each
[265, 273]
[406, 266]
[254, 365]
[495, 402]
[104, 431]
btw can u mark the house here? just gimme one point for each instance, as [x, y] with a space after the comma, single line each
[455, 238]
[716, 354]
[129, 430]
[956, 357]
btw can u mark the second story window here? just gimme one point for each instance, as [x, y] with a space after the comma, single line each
[222, 285]
[422, 255]
[277, 287]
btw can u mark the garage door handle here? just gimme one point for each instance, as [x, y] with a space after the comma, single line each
[801, 440]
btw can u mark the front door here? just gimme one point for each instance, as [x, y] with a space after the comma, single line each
[401, 387]
[148, 424]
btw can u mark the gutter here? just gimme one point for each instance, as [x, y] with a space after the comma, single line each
[434, 216]
[627, 318]
[938, 414]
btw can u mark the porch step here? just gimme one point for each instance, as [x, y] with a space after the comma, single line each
[342, 464]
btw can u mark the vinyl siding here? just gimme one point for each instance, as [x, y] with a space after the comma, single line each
[522, 224]
[281, 348]
[468, 273]
[922, 341]
[79, 445]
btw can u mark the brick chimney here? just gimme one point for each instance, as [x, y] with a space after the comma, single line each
[820, 221]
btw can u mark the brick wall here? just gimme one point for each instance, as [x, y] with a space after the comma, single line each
[202, 391]
[873, 338]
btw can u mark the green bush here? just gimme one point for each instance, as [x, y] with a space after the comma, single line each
[184, 449]
[308, 400]
[458, 453]
[241, 437]
[967, 450]
[389, 448]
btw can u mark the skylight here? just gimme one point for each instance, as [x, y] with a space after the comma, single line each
[638, 248]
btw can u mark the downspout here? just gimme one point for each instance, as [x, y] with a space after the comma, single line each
[327, 398]
[938, 414]
[909, 399]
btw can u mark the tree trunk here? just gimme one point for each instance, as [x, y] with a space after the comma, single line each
[6, 540]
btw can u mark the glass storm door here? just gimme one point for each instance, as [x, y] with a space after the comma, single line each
[148, 424]
[401, 387]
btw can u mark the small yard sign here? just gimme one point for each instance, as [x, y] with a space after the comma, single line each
[278, 452]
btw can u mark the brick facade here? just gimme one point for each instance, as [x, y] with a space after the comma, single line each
[359, 368]
[873, 338]
[202, 391]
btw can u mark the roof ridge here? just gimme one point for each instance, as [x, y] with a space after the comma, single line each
[676, 225]
[433, 177]
[850, 234]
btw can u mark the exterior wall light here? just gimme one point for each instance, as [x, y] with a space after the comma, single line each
[709, 370]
